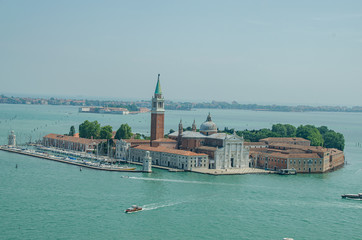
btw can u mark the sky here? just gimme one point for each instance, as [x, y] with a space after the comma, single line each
[265, 52]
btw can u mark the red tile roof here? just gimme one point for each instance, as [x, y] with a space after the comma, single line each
[135, 141]
[254, 143]
[302, 147]
[169, 150]
[74, 139]
[161, 140]
[284, 139]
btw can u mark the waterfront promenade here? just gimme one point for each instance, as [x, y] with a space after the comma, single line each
[239, 171]
[57, 159]
[129, 169]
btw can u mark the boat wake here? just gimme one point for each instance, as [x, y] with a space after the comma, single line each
[180, 181]
[154, 206]
[354, 199]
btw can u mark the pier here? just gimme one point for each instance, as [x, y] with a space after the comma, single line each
[57, 159]
[109, 160]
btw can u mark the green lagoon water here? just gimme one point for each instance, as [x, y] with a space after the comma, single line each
[48, 200]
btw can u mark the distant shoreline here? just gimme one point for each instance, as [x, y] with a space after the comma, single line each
[134, 106]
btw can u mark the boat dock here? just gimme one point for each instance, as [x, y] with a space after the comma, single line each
[58, 159]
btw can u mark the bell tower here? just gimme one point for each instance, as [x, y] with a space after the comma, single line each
[179, 137]
[157, 113]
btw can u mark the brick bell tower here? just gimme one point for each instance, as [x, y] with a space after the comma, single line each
[157, 114]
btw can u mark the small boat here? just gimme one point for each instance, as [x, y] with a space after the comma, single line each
[352, 196]
[132, 209]
[287, 171]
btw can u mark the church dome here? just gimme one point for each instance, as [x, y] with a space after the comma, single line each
[208, 127]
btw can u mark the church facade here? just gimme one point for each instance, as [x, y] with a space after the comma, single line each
[224, 151]
[187, 150]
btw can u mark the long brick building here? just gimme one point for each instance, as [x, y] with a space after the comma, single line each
[70, 142]
[302, 158]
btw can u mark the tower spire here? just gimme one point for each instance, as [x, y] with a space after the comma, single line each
[194, 126]
[157, 114]
[158, 90]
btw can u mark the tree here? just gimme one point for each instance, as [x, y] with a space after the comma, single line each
[137, 136]
[323, 129]
[291, 130]
[188, 128]
[83, 129]
[265, 133]
[333, 139]
[124, 132]
[311, 133]
[106, 132]
[72, 131]
[280, 130]
[171, 131]
[89, 129]
[256, 135]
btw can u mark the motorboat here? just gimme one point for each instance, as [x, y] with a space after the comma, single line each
[352, 196]
[287, 171]
[132, 209]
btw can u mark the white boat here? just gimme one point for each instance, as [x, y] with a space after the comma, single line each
[132, 209]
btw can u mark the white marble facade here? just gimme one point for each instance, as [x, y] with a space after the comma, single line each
[233, 154]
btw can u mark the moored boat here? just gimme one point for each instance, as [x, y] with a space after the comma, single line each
[352, 196]
[287, 171]
[132, 209]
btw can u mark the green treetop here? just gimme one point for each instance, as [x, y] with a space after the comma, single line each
[89, 129]
[106, 132]
[72, 131]
[124, 132]
[311, 133]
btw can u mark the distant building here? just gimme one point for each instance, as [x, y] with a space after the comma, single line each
[112, 110]
[104, 110]
[170, 157]
[304, 159]
[71, 143]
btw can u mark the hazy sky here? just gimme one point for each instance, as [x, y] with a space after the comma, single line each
[273, 52]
